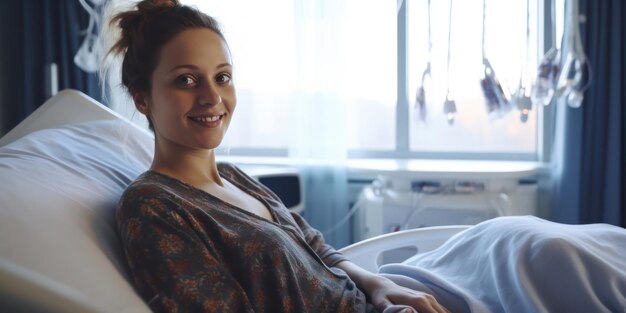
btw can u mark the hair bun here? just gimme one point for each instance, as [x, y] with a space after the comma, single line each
[132, 22]
[154, 6]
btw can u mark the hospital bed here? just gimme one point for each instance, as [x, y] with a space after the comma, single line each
[62, 171]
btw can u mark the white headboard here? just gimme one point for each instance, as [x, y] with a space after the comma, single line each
[66, 107]
[63, 170]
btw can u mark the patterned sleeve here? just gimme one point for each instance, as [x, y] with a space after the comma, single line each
[173, 269]
[315, 239]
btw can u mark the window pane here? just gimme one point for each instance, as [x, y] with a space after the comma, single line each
[263, 55]
[291, 54]
[371, 74]
[506, 49]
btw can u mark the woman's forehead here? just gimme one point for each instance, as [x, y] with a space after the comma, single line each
[199, 46]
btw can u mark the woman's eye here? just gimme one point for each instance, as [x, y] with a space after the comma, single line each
[223, 78]
[185, 80]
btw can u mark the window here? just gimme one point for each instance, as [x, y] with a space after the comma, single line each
[473, 130]
[327, 75]
[311, 73]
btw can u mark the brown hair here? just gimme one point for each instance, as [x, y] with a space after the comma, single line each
[145, 30]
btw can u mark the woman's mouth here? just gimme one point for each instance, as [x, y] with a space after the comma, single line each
[207, 120]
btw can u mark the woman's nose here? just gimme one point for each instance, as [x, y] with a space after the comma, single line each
[209, 95]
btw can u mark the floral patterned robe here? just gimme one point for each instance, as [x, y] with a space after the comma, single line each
[189, 251]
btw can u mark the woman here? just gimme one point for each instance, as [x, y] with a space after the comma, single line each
[201, 235]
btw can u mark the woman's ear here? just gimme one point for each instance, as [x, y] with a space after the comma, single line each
[141, 102]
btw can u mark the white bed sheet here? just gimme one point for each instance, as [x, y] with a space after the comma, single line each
[523, 264]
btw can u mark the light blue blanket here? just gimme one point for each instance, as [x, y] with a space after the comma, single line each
[523, 264]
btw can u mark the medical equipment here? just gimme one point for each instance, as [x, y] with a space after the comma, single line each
[523, 102]
[413, 200]
[284, 181]
[564, 78]
[420, 97]
[90, 50]
[570, 82]
[549, 68]
[399, 202]
[521, 97]
[496, 100]
[449, 105]
[548, 72]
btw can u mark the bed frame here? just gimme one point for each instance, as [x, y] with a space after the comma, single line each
[368, 253]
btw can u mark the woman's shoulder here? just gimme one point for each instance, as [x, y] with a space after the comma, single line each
[235, 174]
[229, 169]
[146, 184]
[232, 172]
[147, 188]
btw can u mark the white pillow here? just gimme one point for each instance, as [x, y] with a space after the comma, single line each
[59, 249]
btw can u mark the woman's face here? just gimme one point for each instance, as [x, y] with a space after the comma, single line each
[193, 95]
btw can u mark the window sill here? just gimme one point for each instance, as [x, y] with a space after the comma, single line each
[367, 168]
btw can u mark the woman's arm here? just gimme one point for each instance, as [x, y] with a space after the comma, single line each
[382, 292]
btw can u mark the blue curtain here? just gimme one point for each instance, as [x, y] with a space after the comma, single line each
[36, 33]
[326, 202]
[590, 161]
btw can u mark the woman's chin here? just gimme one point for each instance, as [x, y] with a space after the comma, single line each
[211, 145]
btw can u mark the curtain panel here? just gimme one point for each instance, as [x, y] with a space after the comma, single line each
[37, 33]
[589, 157]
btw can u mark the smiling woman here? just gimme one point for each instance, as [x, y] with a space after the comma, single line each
[201, 235]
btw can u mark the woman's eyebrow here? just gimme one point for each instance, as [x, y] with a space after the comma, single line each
[226, 64]
[194, 67]
[190, 66]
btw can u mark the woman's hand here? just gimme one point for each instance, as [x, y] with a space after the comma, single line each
[383, 293]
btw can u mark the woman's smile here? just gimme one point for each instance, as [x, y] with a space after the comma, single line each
[207, 121]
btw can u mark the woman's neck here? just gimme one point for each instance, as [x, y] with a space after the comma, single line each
[196, 167]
